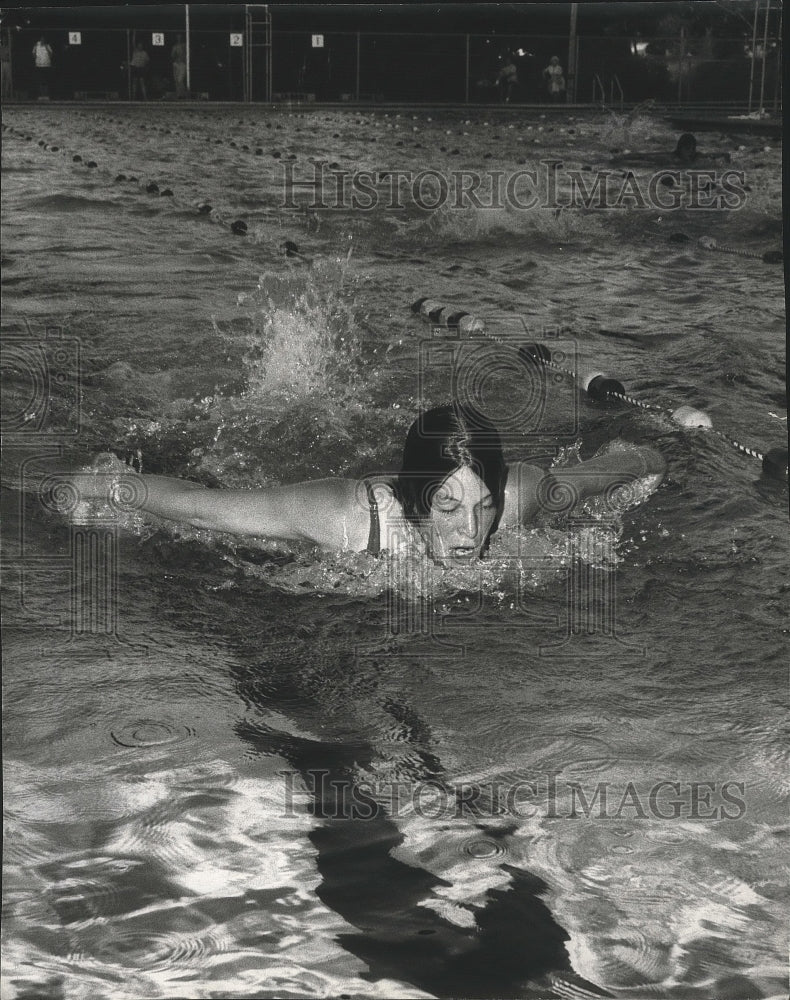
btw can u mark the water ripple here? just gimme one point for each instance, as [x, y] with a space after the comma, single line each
[85, 889]
[139, 949]
[482, 847]
[150, 733]
[632, 959]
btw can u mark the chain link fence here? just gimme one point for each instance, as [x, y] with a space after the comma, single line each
[409, 67]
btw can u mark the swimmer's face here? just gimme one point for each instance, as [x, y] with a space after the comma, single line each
[462, 514]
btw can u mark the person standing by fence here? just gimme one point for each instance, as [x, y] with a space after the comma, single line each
[42, 57]
[555, 79]
[178, 56]
[507, 79]
[139, 63]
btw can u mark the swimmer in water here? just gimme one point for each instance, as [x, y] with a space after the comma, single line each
[685, 153]
[454, 489]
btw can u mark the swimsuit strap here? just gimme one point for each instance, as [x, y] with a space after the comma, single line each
[374, 537]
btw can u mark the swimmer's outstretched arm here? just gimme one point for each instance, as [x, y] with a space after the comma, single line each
[326, 512]
[530, 489]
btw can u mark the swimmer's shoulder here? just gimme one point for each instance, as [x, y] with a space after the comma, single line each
[352, 508]
[382, 493]
[522, 503]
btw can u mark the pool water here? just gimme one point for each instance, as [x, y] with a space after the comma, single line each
[262, 771]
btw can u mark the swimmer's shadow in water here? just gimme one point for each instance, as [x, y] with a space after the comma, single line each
[516, 948]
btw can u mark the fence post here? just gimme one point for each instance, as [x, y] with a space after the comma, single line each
[754, 44]
[129, 94]
[680, 63]
[570, 90]
[11, 62]
[466, 82]
[778, 66]
[765, 53]
[356, 90]
[189, 67]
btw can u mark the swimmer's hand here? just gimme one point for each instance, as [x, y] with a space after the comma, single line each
[97, 479]
[104, 487]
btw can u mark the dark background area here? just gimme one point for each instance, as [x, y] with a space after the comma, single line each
[685, 51]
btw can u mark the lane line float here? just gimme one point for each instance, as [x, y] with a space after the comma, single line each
[599, 386]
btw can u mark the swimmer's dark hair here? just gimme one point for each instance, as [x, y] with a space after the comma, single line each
[442, 440]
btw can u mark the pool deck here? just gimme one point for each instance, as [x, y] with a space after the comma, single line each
[759, 126]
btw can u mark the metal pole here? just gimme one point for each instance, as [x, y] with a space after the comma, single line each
[246, 53]
[754, 43]
[765, 53]
[269, 53]
[778, 66]
[576, 67]
[571, 85]
[356, 94]
[680, 63]
[186, 19]
[466, 87]
[129, 64]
